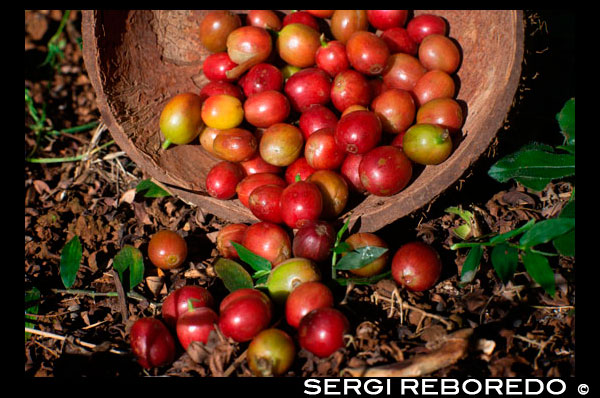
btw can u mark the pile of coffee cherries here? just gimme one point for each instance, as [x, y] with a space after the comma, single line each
[305, 109]
[294, 293]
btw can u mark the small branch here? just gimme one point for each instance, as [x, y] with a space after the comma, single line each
[121, 295]
[77, 158]
[93, 294]
[63, 338]
[461, 245]
[454, 348]
[51, 351]
[542, 345]
[556, 307]
[235, 364]
[404, 305]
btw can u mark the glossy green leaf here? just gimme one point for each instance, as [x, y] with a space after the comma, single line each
[505, 259]
[31, 296]
[70, 259]
[342, 231]
[567, 148]
[566, 121]
[341, 247]
[257, 262]
[260, 274]
[150, 189]
[464, 214]
[261, 282]
[546, 230]
[462, 231]
[233, 274]
[471, 263]
[512, 233]
[565, 244]
[360, 257]
[539, 269]
[130, 258]
[534, 166]
[569, 210]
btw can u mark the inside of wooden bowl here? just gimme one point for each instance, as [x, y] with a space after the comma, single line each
[137, 60]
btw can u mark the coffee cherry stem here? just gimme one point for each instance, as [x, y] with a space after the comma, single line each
[190, 303]
[239, 70]
[166, 144]
[323, 40]
[338, 239]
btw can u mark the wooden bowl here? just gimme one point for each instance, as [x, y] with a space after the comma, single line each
[137, 60]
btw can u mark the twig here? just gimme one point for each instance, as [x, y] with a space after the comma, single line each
[93, 325]
[235, 363]
[404, 305]
[49, 315]
[51, 351]
[542, 345]
[93, 294]
[454, 348]
[481, 313]
[77, 158]
[63, 338]
[349, 288]
[121, 295]
[556, 307]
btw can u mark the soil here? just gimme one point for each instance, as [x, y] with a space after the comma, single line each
[515, 329]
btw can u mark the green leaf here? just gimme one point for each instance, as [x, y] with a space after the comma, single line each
[342, 231]
[364, 281]
[534, 166]
[504, 260]
[341, 247]
[233, 275]
[360, 257]
[566, 121]
[565, 244]
[70, 259]
[464, 214]
[569, 210]
[539, 269]
[567, 148]
[471, 263]
[462, 231]
[136, 270]
[261, 282]
[546, 230]
[260, 274]
[150, 189]
[121, 262]
[130, 258]
[510, 234]
[32, 295]
[257, 262]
